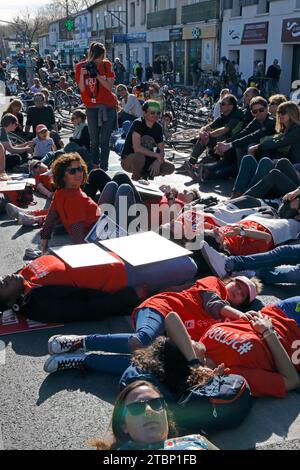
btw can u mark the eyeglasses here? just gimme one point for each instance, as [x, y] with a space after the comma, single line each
[137, 408]
[258, 110]
[73, 171]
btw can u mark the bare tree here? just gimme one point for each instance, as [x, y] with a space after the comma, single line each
[28, 26]
[56, 9]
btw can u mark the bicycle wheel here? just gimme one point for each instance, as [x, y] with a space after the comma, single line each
[62, 102]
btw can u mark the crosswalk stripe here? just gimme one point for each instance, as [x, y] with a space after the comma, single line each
[2, 353]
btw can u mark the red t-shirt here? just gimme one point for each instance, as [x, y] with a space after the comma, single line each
[240, 245]
[49, 270]
[156, 219]
[188, 305]
[245, 353]
[45, 179]
[74, 206]
[94, 93]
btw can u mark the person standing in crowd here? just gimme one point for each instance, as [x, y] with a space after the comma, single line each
[196, 72]
[50, 64]
[95, 79]
[21, 64]
[259, 76]
[139, 72]
[30, 66]
[119, 70]
[229, 71]
[157, 68]
[273, 74]
[149, 72]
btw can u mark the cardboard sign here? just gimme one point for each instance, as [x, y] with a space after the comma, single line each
[11, 323]
[148, 189]
[87, 254]
[144, 248]
[104, 229]
[17, 182]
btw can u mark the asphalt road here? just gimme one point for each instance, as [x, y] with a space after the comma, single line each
[65, 410]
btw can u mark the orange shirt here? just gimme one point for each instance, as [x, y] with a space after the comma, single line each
[74, 206]
[49, 270]
[45, 179]
[188, 305]
[240, 245]
[94, 93]
[240, 348]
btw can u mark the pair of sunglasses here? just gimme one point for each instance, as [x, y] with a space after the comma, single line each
[259, 110]
[137, 408]
[73, 171]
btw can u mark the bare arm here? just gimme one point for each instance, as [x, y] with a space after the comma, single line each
[177, 332]
[262, 324]
[138, 148]
[219, 132]
[107, 83]
[14, 149]
[43, 190]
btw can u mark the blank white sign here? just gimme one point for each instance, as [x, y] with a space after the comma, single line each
[144, 248]
[87, 254]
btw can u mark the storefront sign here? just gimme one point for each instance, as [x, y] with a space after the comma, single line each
[74, 44]
[255, 33]
[199, 32]
[175, 34]
[235, 33]
[136, 37]
[290, 30]
[119, 38]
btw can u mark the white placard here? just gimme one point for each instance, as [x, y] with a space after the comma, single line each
[103, 229]
[147, 189]
[17, 182]
[144, 248]
[87, 254]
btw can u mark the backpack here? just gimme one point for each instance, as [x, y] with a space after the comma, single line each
[222, 403]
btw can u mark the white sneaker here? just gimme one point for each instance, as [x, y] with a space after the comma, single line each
[64, 362]
[215, 260]
[13, 211]
[59, 344]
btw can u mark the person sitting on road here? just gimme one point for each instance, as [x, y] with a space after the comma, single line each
[17, 153]
[36, 87]
[131, 107]
[228, 124]
[15, 108]
[63, 84]
[80, 140]
[140, 156]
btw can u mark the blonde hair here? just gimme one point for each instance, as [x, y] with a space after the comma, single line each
[9, 109]
[292, 110]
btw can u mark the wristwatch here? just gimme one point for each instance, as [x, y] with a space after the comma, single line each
[242, 232]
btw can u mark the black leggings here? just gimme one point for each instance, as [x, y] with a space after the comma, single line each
[98, 178]
[278, 182]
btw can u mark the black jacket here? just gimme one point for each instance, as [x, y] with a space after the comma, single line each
[283, 145]
[253, 133]
[84, 139]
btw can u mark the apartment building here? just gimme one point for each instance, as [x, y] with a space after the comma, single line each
[263, 30]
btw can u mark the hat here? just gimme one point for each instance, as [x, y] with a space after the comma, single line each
[33, 165]
[250, 285]
[40, 127]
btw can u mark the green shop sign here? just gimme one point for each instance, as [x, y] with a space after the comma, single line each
[70, 25]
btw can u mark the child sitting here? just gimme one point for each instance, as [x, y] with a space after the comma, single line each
[43, 142]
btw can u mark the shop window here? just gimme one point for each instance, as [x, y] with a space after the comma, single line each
[132, 14]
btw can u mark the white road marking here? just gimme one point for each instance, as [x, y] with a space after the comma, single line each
[2, 353]
[1, 440]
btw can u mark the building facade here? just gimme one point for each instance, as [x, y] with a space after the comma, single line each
[260, 31]
[44, 44]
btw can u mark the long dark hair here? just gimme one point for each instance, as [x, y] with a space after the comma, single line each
[115, 435]
[164, 360]
[96, 50]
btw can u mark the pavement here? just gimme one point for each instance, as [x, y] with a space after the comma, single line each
[65, 410]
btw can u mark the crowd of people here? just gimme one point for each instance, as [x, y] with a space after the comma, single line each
[194, 311]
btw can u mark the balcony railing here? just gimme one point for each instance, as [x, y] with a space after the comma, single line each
[161, 18]
[200, 12]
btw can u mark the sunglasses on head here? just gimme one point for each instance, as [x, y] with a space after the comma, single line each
[73, 171]
[137, 408]
[259, 110]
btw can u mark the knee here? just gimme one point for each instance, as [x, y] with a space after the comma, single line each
[283, 163]
[139, 340]
[248, 160]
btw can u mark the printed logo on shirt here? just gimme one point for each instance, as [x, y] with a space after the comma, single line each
[297, 309]
[190, 324]
[238, 342]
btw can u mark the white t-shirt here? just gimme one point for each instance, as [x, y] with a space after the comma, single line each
[282, 230]
[133, 106]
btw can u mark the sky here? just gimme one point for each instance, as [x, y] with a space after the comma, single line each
[10, 8]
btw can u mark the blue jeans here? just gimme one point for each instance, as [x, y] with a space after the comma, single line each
[149, 325]
[251, 172]
[263, 262]
[100, 136]
[111, 195]
[291, 307]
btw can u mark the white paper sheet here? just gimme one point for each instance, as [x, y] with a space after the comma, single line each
[87, 254]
